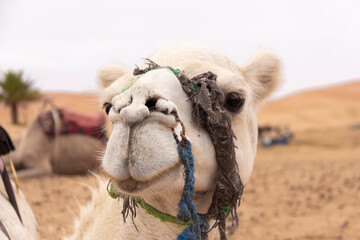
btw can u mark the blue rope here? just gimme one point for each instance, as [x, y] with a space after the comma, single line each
[187, 209]
[188, 233]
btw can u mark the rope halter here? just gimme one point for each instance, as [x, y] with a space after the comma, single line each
[208, 111]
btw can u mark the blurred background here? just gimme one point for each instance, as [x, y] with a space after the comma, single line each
[306, 179]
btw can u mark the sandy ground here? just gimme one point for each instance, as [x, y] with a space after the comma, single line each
[309, 189]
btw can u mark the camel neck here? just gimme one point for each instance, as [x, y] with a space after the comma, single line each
[138, 209]
[150, 227]
[146, 226]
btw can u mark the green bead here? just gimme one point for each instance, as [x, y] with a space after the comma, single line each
[176, 72]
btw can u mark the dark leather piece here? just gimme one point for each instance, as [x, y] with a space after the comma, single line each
[6, 145]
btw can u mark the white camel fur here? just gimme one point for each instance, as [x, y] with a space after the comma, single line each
[141, 157]
[25, 230]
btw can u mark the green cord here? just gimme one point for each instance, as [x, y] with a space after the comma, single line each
[160, 215]
[113, 193]
[163, 217]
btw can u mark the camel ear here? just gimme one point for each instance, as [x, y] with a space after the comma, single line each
[263, 73]
[108, 74]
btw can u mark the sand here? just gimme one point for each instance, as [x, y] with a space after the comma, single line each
[309, 189]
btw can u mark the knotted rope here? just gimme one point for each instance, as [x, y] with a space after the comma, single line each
[187, 211]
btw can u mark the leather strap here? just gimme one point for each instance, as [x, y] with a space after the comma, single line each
[10, 192]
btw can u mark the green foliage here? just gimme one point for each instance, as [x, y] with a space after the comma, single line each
[14, 88]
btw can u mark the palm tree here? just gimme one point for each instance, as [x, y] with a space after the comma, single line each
[16, 89]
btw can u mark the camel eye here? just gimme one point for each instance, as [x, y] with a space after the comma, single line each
[234, 102]
[107, 106]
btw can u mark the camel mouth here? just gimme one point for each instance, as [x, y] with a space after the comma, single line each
[140, 154]
[132, 185]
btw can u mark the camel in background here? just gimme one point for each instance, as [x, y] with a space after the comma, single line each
[60, 141]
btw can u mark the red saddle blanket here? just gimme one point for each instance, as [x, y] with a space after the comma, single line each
[92, 124]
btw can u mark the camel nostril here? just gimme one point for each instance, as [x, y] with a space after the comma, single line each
[151, 103]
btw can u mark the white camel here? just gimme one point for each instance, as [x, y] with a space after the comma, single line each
[141, 157]
[14, 228]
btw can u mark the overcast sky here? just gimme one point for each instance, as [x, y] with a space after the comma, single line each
[62, 44]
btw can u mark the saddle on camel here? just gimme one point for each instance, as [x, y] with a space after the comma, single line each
[61, 141]
[71, 122]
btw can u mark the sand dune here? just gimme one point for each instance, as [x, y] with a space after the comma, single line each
[335, 106]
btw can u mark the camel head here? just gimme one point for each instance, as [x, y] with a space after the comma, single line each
[142, 158]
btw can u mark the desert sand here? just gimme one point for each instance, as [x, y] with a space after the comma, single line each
[309, 189]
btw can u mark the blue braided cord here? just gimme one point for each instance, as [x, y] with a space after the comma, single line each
[188, 233]
[187, 209]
